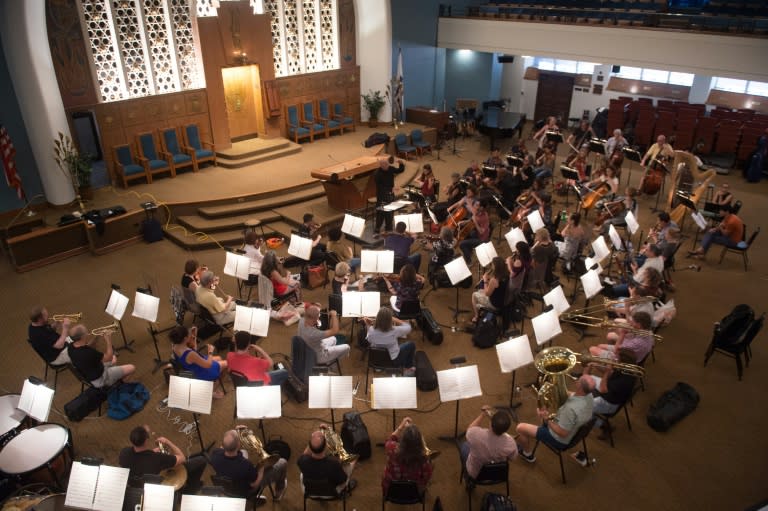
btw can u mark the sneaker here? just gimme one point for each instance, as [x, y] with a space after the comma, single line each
[411, 371]
[609, 281]
[279, 494]
[530, 458]
[580, 458]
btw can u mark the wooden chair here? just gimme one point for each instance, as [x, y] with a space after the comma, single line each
[295, 129]
[181, 156]
[343, 118]
[126, 167]
[154, 161]
[309, 120]
[203, 151]
[402, 147]
[324, 115]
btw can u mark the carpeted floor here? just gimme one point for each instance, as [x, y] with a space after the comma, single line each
[714, 459]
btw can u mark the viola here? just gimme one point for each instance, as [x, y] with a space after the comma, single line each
[610, 210]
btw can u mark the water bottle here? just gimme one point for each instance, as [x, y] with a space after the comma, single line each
[563, 216]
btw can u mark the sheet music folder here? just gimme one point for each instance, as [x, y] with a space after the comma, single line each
[330, 392]
[190, 394]
[157, 497]
[97, 487]
[35, 401]
[459, 383]
[393, 393]
[206, 503]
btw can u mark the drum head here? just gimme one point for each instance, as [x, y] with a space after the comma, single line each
[51, 503]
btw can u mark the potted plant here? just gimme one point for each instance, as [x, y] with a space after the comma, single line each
[373, 102]
[76, 166]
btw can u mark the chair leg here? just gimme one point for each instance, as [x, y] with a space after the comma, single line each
[562, 469]
[739, 368]
[746, 260]
[367, 371]
[708, 354]
[338, 366]
[610, 430]
[55, 377]
[45, 376]
[626, 415]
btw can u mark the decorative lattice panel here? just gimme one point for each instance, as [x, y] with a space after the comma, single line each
[206, 8]
[328, 34]
[309, 24]
[273, 7]
[292, 37]
[162, 54]
[186, 58]
[106, 62]
[128, 28]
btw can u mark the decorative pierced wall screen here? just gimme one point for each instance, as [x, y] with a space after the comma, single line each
[141, 47]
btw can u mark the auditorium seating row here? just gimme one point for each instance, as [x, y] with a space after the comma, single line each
[161, 151]
[311, 118]
[722, 130]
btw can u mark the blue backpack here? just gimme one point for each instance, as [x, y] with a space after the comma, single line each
[127, 399]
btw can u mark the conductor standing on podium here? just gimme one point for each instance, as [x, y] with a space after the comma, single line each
[385, 184]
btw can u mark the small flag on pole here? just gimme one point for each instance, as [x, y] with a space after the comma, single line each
[8, 155]
[400, 88]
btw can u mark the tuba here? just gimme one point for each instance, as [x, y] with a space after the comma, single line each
[554, 363]
[256, 451]
[336, 446]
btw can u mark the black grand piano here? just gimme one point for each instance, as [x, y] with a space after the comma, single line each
[496, 123]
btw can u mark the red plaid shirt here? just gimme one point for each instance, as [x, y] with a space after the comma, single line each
[394, 471]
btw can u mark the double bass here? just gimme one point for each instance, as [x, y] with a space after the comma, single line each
[654, 176]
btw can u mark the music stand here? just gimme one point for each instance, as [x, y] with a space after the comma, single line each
[631, 221]
[686, 201]
[237, 265]
[485, 253]
[187, 393]
[633, 156]
[157, 497]
[258, 402]
[514, 161]
[546, 326]
[600, 248]
[457, 271]
[513, 236]
[146, 307]
[359, 304]
[590, 281]
[556, 298]
[461, 382]
[514, 354]
[209, 503]
[253, 320]
[96, 486]
[535, 221]
[116, 305]
[568, 174]
[353, 226]
[397, 393]
[377, 261]
[330, 392]
[35, 399]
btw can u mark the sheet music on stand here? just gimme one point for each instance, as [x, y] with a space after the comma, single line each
[237, 265]
[590, 263]
[157, 497]
[398, 204]
[377, 261]
[514, 354]
[556, 298]
[117, 304]
[259, 402]
[699, 219]
[414, 222]
[485, 253]
[35, 400]
[513, 236]
[393, 393]
[353, 225]
[457, 270]
[330, 391]
[432, 215]
[300, 247]
[190, 394]
[253, 320]
[546, 326]
[206, 503]
[535, 220]
[618, 244]
[600, 248]
[360, 304]
[591, 283]
[632, 224]
[145, 306]
[459, 383]
[96, 487]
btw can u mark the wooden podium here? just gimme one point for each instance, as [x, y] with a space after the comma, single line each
[349, 184]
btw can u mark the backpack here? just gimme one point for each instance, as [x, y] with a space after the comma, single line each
[80, 407]
[487, 331]
[672, 406]
[376, 139]
[496, 502]
[732, 326]
[354, 435]
[126, 399]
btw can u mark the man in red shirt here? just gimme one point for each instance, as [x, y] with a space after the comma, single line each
[730, 233]
[253, 362]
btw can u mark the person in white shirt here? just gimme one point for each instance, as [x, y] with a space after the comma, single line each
[384, 332]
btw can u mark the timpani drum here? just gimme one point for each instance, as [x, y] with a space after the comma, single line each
[10, 417]
[39, 454]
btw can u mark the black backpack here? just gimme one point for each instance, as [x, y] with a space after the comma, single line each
[487, 331]
[88, 401]
[375, 139]
[733, 326]
[354, 435]
[496, 502]
[672, 406]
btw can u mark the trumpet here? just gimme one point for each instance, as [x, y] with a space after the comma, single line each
[336, 446]
[72, 317]
[109, 329]
[254, 446]
[429, 453]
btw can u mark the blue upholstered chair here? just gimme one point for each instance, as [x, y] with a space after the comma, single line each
[295, 130]
[345, 120]
[418, 142]
[126, 168]
[181, 157]
[402, 146]
[154, 161]
[324, 116]
[309, 121]
[204, 151]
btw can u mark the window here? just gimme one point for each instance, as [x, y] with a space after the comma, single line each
[757, 88]
[545, 64]
[681, 79]
[655, 75]
[564, 66]
[586, 68]
[730, 84]
[633, 73]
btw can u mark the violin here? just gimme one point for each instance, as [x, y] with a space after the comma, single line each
[525, 203]
[610, 210]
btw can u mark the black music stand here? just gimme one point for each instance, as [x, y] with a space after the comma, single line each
[568, 174]
[126, 343]
[159, 362]
[597, 146]
[456, 362]
[633, 156]
[514, 161]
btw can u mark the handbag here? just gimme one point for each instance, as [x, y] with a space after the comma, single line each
[316, 276]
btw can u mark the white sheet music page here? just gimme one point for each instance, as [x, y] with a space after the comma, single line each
[145, 306]
[82, 485]
[546, 326]
[393, 393]
[556, 298]
[615, 238]
[252, 320]
[205, 503]
[200, 396]
[513, 236]
[414, 222]
[110, 488]
[632, 224]
[157, 497]
[178, 392]
[459, 383]
[258, 402]
[353, 225]
[377, 261]
[351, 304]
[535, 220]
[117, 304]
[237, 265]
[457, 270]
[300, 247]
[590, 281]
[485, 253]
[514, 354]
[35, 400]
[370, 302]
[699, 219]
[600, 248]
[330, 392]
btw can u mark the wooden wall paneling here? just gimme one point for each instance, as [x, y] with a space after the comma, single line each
[737, 100]
[653, 89]
[272, 95]
[196, 102]
[346, 27]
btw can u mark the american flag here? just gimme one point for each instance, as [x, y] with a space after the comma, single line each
[8, 154]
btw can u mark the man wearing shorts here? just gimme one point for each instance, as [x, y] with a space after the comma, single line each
[100, 369]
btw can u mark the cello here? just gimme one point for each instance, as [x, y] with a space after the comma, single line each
[654, 177]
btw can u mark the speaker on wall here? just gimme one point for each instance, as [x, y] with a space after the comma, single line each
[615, 69]
[505, 59]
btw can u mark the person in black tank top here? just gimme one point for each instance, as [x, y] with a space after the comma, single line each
[491, 295]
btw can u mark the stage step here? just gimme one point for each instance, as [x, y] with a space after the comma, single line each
[255, 150]
[188, 241]
[282, 228]
[207, 225]
[308, 192]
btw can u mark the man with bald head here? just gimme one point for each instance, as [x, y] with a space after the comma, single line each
[323, 342]
[658, 150]
[384, 177]
[100, 369]
[559, 431]
[231, 461]
[316, 465]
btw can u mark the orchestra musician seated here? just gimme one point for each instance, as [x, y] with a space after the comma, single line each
[99, 368]
[574, 239]
[443, 252]
[545, 163]
[340, 280]
[638, 339]
[341, 247]
[487, 445]
[49, 341]
[406, 288]
[723, 196]
[282, 282]
[384, 331]
[400, 243]
[253, 362]
[406, 457]
[495, 160]
[730, 232]
[659, 150]
[652, 260]
[191, 278]
[325, 343]
[426, 183]
[148, 456]
[581, 135]
[455, 190]
[316, 465]
[614, 213]
[615, 143]
[519, 150]
[479, 231]
[309, 229]
[248, 479]
[558, 431]
[493, 288]
[607, 178]
[203, 367]
[541, 135]
[613, 388]
[222, 311]
[659, 233]
[472, 171]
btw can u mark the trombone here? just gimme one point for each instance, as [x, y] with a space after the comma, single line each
[72, 317]
[590, 321]
[606, 305]
[108, 329]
